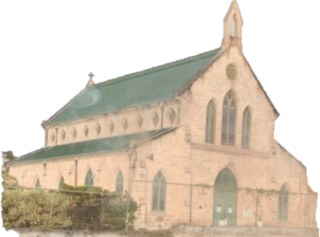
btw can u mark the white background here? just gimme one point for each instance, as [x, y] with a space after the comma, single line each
[47, 49]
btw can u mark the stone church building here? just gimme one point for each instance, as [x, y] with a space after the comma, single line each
[192, 141]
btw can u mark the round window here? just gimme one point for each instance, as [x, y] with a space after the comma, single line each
[231, 72]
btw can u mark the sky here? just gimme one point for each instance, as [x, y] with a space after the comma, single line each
[48, 48]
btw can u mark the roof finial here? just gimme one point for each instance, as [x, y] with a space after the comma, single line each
[91, 75]
[90, 82]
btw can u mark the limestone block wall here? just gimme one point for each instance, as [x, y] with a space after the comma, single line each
[194, 231]
[213, 84]
[152, 117]
[311, 200]
[189, 231]
[252, 171]
[105, 168]
[170, 156]
[183, 163]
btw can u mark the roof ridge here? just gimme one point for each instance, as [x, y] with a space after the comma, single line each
[158, 68]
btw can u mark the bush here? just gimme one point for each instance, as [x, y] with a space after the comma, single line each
[115, 215]
[95, 212]
[51, 210]
[8, 180]
[35, 209]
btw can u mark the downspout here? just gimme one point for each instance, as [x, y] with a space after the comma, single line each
[146, 196]
[76, 172]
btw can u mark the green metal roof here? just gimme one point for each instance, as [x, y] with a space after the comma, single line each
[109, 144]
[152, 85]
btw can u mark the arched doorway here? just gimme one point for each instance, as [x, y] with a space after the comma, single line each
[225, 198]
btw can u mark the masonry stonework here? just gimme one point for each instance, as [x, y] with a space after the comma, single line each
[168, 136]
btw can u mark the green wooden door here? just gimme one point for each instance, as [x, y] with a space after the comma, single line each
[225, 198]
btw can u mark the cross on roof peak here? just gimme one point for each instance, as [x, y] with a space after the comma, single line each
[90, 82]
[90, 75]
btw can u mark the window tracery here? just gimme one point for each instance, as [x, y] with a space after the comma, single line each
[228, 120]
[159, 193]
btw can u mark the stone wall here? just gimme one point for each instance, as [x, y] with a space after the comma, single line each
[213, 84]
[197, 231]
[112, 124]
[188, 231]
[105, 168]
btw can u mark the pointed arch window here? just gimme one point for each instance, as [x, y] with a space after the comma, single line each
[61, 183]
[159, 193]
[246, 128]
[38, 185]
[210, 122]
[228, 120]
[119, 183]
[89, 179]
[283, 204]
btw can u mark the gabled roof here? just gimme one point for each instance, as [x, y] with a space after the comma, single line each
[109, 144]
[137, 89]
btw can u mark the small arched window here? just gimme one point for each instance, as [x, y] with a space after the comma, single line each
[210, 122]
[283, 204]
[61, 183]
[119, 183]
[159, 193]
[89, 179]
[38, 185]
[233, 27]
[246, 128]
[228, 120]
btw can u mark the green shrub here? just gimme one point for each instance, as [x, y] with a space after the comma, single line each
[35, 209]
[115, 215]
[8, 180]
[44, 210]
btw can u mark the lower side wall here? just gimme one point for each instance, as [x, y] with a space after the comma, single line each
[197, 231]
[189, 231]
